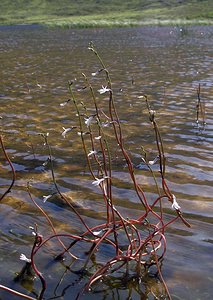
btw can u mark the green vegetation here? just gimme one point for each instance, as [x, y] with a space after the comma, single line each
[101, 13]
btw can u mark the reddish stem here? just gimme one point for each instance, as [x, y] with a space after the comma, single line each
[12, 168]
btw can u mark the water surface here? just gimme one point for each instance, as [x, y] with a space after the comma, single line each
[165, 63]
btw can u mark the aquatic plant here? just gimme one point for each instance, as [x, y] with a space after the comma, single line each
[136, 244]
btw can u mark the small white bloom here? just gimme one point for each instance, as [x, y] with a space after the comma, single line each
[104, 89]
[88, 121]
[151, 115]
[97, 72]
[98, 137]
[143, 159]
[45, 198]
[97, 181]
[175, 205]
[81, 133]
[33, 230]
[105, 124]
[64, 103]
[46, 162]
[152, 162]
[97, 232]
[24, 258]
[91, 152]
[65, 131]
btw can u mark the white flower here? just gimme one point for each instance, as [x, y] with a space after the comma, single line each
[89, 120]
[104, 89]
[97, 232]
[91, 152]
[45, 198]
[105, 124]
[98, 137]
[64, 103]
[24, 258]
[46, 162]
[175, 205]
[81, 133]
[97, 181]
[143, 159]
[65, 131]
[45, 136]
[151, 115]
[96, 73]
[152, 162]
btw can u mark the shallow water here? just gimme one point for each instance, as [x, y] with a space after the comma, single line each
[165, 63]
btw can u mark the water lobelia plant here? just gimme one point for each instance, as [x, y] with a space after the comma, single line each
[136, 244]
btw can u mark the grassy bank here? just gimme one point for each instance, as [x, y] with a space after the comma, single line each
[103, 13]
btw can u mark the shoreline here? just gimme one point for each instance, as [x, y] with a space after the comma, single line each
[78, 24]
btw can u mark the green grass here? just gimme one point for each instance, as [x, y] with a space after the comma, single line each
[102, 13]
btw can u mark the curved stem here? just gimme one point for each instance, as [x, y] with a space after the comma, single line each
[16, 293]
[12, 168]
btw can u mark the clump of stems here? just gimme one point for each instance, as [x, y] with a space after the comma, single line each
[144, 236]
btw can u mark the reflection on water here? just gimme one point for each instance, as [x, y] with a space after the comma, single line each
[167, 64]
